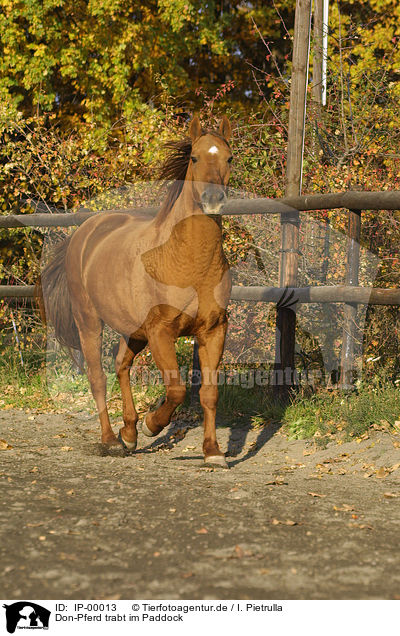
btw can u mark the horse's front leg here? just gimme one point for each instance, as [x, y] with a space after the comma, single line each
[162, 346]
[211, 346]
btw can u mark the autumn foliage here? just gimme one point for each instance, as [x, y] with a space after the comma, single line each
[90, 91]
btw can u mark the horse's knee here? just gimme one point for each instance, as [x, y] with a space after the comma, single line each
[97, 379]
[209, 396]
[121, 370]
[120, 364]
[176, 394]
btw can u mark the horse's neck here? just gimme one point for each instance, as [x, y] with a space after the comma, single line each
[185, 205]
[183, 209]
[187, 233]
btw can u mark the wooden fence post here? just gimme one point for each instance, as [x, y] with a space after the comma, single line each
[286, 317]
[346, 379]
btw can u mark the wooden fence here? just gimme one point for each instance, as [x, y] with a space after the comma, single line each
[350, 294]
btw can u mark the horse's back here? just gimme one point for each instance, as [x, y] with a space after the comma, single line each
[101, 236]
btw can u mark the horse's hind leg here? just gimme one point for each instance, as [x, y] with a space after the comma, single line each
[123, 362]
[91, 334]
[162, 346]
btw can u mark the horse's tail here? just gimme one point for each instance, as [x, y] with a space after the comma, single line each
[54, 299]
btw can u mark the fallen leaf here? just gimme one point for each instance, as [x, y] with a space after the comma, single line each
[67, 557]
[361, 526]
[34, 525]
[344, 508]
[156, 554]
[202, 531]
[316, 494]
[288, 522]
[186, 575]
[66, 448]
[381, 473]
[239, 553]
[391, 495]
[5, 445]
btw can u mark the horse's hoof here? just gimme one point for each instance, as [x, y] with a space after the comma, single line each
[145, 429]
[129, 447]
[215, 461]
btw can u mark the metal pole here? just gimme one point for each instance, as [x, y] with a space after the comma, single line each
[318, 51]
[325, 19]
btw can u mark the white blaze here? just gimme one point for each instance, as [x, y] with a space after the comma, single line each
[213, 150]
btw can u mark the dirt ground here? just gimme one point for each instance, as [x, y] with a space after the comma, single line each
[287, 521]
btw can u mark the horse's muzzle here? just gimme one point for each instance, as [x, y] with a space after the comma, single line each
[213, 199]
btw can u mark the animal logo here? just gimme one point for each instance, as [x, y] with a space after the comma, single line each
[26, 615]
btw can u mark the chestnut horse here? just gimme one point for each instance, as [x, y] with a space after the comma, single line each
[152, 281]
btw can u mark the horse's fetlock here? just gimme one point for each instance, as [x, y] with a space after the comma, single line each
[131, 422]
[210, 448]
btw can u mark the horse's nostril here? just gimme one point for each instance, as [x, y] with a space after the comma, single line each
[221, 196]
[203, 195]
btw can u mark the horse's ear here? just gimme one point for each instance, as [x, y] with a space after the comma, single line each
[225, 128]
[195, 130]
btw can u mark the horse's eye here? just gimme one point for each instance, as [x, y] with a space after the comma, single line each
[230, 159]
[193, 159]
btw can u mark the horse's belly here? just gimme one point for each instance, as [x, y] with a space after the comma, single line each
[126, 301]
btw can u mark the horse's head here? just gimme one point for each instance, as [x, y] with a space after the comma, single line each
[210, 164]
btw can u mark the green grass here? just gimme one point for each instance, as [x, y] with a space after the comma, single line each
[375, 404]
[255, 406]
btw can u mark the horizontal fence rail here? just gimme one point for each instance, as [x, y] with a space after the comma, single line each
[319, 294]
[389, 200]
[350, 294]
[17, 291]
